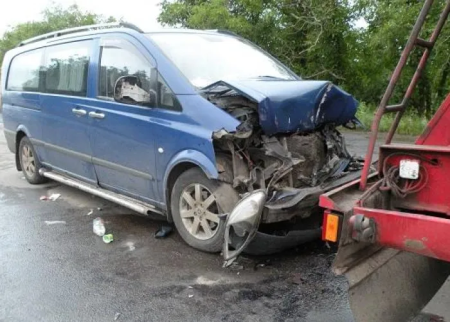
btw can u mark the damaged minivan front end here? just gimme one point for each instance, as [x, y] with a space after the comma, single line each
[285, 152]
[274, 138]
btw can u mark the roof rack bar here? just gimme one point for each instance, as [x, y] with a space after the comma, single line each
[80, 29]
[222, 31]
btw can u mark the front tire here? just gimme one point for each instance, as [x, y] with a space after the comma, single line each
[196, 203]
[29, 162]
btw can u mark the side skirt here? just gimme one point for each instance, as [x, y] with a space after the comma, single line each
[138, 206]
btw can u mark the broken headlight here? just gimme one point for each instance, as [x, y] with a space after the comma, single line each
[242, 224]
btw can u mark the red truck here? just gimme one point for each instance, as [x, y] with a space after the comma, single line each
[392, 225]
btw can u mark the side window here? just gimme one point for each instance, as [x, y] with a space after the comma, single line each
[25, 72]
[67, 68]
[115, 63]
[166, 97]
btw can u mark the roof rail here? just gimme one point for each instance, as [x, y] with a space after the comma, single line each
[223, 31]
[80, 29]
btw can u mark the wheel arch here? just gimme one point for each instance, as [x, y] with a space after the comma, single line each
[20, 134]
[182, 162]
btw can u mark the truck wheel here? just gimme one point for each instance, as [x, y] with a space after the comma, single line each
[29, 162]
[196, 203]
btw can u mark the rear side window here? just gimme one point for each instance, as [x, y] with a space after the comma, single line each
[25, 72]
[67, 68]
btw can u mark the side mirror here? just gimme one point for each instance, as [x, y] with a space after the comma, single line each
[128, 89]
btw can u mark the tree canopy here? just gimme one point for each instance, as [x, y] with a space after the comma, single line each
[53, 19]
[318, 39]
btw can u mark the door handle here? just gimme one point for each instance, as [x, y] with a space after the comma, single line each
[96, 115]
[79, 112]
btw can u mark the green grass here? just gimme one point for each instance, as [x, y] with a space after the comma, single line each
[410, 123]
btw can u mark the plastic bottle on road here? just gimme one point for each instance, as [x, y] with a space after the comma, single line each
[99, 226]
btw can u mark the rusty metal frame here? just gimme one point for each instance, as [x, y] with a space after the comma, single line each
[420, 234]
[399, 109]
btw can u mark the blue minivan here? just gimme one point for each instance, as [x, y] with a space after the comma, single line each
[202, 127]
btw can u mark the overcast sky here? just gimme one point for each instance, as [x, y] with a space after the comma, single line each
[143, 13]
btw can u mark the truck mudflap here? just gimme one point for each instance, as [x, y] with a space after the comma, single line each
[393, 285]
[384, 284]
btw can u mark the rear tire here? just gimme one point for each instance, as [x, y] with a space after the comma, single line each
[29, 162]
[196, 202]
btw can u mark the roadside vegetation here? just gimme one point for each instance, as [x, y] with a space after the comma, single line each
[353, 43]
[410, 124]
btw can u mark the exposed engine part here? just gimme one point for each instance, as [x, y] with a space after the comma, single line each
[239, 107]
[292, 162]
[312, 148]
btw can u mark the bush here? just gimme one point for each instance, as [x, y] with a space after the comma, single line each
[410, 124]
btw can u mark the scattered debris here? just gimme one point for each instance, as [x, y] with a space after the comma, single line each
[164, 231]
[235, 266]
[116, 316]
[203, 280]
[55, 222]
[131, 246]
[262, 264]
[99, 226]
[54, 196]
[90, 212]
[108, 238]
[298, 279]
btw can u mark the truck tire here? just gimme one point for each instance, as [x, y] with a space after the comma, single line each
[196, 203]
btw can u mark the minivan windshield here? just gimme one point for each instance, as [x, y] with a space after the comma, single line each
[208, 58]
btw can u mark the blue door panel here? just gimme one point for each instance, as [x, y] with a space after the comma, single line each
[66, 136]
[182, 142]
[124, 149]
[21, 111]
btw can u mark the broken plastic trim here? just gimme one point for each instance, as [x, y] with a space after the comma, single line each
[225, 134]
[243, 222]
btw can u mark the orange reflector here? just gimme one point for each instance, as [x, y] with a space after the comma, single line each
[332, 227]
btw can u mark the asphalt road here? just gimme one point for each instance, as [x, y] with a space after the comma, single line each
[53, 268]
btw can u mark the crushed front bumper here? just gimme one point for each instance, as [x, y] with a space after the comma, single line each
[263, 226]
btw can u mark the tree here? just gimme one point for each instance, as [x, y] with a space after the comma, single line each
[54, 18]
[318, 40]
[380, 45]
[310, 36]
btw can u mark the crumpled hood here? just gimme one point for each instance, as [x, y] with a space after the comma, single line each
[295, 106]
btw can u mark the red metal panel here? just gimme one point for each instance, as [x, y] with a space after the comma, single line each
[342, 195]
[424, 235]
[434, 197]
[437, 131]
[327, 203]
[400, 108]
